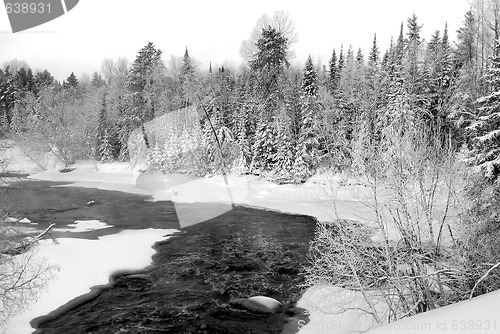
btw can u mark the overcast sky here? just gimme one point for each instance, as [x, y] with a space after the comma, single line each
[212, 30]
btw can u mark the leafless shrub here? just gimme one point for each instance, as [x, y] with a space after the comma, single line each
[410, 256]
[22, 275]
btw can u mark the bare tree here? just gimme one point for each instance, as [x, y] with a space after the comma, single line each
[22, 275]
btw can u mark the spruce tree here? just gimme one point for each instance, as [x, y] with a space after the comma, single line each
[285, 148]
[188, 80]
[333, 72]
[306, 157]
[341, 61]
[373, 58]
[360, 59]
[446, 61]
[71, 81]
[485, 130]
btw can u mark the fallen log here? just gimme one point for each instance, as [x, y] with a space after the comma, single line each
[25, 243]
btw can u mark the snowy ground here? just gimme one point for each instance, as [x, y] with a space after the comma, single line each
[332, 310]
[82, 264]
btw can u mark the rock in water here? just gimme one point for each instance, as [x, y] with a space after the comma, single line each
[260, 304]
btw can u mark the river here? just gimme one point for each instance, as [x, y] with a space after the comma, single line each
[195, 274]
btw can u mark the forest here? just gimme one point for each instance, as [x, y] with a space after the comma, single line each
[422, 116]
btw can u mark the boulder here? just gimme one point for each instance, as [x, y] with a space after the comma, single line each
[260, 304]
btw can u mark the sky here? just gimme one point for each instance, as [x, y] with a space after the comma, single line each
[213, 30]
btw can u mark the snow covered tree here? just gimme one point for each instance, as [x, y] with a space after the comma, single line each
[188, 81]
[103, 135]
[485, 129]
[333, 72]
[71, 81]
[341, 60]
[285, 148]
[306, 157]
[106, 147]
[140, 83]
[269, 65]
[360, 58]
[264, 147]
[270, 61]
[413, 47]
[374, 56]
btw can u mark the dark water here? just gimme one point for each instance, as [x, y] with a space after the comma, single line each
[196, 273]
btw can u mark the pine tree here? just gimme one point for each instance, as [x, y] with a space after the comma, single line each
[485, 152]
[306, 157]
[140, 84]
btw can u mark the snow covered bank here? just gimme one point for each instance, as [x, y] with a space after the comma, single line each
[479, 315]
[312, 198]
[83, 264]
[13, 158]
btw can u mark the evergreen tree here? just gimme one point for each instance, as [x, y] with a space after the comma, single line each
[42, 80]
[103, 135]
[264, 148]
[360, 59]
[269, 64]
[188, 81]
[446, 62]
[333, 71]
[285, 148]
[466, 36]
[306, 157]
[140, 83]
[341, 60]
[71, 81]
[485, 130]
[7, 97]
[373, 58]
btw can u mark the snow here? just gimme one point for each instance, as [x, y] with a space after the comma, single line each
[479, 315]
[84, 264]
[337, 310]
[19, 161]
[312, 198]
[84, 226]
[332, 309]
